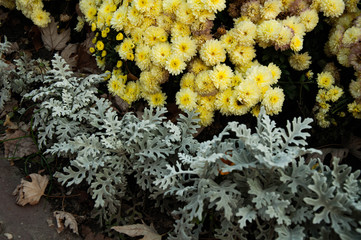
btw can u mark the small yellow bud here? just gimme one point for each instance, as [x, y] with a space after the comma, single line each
[104, 34]
[104, 53]
[100, 45]
[94, 27]
[91, 50]
[119, 37]
[119, 64]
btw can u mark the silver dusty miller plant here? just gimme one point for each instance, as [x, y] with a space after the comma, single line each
[74, 123]
[249, 184]
[20, 77]
[267, 190]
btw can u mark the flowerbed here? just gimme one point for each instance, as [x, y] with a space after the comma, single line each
[179, 101]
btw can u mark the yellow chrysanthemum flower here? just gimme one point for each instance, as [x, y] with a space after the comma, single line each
[237, 107]
[309, 18]
[187, 80]
[351, 35]
[268, 30]
[157, 99]
[260, 74]
[203, 84]
[355, 88]
[334, 93]
[221, 76]
[116, 86]
[142, 57]
[355, 109]
[248, 92]
[160, 53]
[205, 116]
[270, 9]
[40, 17]
[325, 80]
[332, 8]
[275, 71]
[185, 47]
[175, 65]
[222, 102]
[186, 99]
[212, 52]
[131, 92]
[242, 55]
[273, 100]
[300, 61]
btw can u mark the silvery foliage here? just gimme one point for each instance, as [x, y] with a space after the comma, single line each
[5, 92]
[73, 122]
[64, 103]
[19, 78]
[268, 191]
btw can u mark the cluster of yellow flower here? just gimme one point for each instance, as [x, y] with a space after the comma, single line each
[328, 94]
[166, 38]
[345, 43]
[32, 9]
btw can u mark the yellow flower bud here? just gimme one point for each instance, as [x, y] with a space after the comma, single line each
[104, 53]
[104, 34]
[94, 27]
[119, 64]
[119, 37]
[91, 50]
[100, 45]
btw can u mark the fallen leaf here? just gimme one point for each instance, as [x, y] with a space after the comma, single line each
[354, 145]
[70, 55]
[52, 39]
[31, 192]
[9, 236]
[87, 234]
[136, 230]
[340, 153]
[65, 219]
[9, 107]
[35, 36]
[64, 17]
[9, 124]
[88, 42]
[17, 141]
[123, 105]
[86, 62]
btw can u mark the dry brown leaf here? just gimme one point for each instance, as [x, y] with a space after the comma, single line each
[64, 17]
[136, 230]
[340, 153]
[9, 107]
[65, 219]
[17, 142]
[31, 192]
[87, 234]
[354, 145]
[88, 42]
[52, 39]
[70, 55]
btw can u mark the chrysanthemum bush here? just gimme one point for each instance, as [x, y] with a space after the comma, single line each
[33, 9]
[216, 65]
